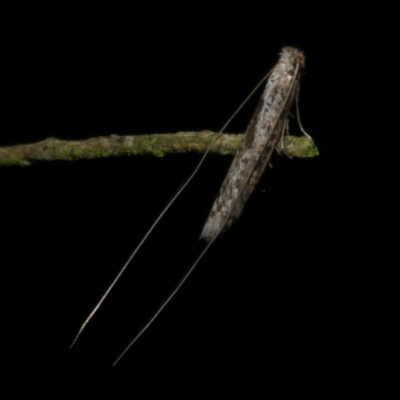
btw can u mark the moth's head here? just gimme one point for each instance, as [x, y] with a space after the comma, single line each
[293, 56]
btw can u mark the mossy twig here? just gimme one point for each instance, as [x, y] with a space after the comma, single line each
[157, 145]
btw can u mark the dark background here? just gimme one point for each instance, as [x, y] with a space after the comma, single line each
[300, 294]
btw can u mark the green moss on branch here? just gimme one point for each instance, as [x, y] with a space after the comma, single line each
[157, 145]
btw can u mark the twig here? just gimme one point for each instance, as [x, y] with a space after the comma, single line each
[157, 145]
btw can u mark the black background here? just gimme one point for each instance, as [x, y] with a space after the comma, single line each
[301, 294]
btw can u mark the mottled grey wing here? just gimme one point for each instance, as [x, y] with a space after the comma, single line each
[261, 138]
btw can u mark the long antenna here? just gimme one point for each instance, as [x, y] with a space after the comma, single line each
[165, 302]
[155, 224]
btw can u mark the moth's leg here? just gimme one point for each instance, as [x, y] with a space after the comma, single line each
[282, 143]
[285, 128]
[281, 140]
[298, 113]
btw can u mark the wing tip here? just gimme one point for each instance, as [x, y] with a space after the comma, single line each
[210, 231]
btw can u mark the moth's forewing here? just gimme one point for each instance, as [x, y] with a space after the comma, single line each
[261, 138]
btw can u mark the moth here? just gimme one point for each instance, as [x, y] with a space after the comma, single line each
[264, 131]
[261, 138]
